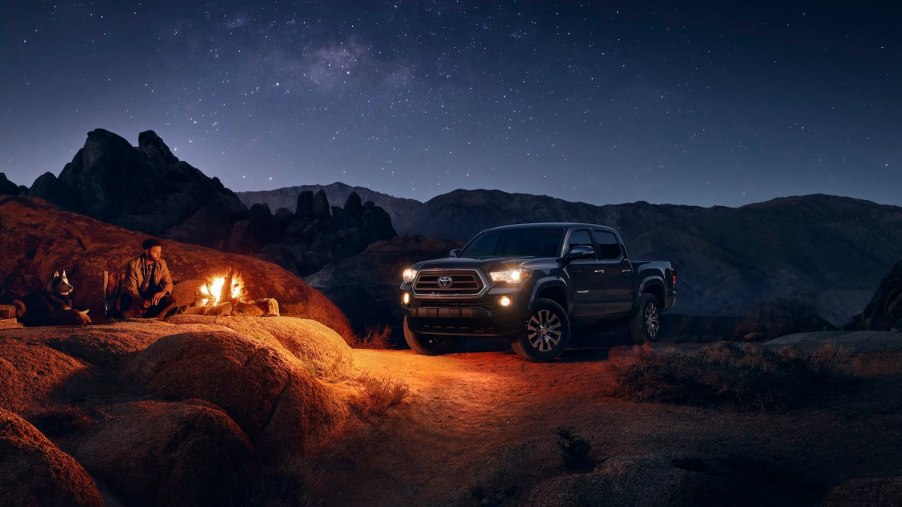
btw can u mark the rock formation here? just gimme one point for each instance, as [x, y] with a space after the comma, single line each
[884, 312]
[8, 187]
[39, 239]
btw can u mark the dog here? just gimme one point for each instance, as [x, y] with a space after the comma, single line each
[51, 306]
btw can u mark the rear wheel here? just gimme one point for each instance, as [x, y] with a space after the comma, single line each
[427, 345]
[645, 322]
[547, 332]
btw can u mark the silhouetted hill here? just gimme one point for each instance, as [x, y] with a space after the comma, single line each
[726, 258]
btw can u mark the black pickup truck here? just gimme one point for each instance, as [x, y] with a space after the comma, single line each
[532, 283]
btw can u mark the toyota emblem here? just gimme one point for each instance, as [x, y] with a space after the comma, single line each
[445, 281]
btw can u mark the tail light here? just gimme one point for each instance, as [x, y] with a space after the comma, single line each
[673, 279]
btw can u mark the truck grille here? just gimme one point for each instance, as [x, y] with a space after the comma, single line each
[463, 282]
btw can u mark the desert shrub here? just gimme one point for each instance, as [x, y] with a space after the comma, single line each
[743, 375]
[377, 337]
[378, 394]
[575, 450]
[797, 313]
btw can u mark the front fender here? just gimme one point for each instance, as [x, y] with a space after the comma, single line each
[550, 282]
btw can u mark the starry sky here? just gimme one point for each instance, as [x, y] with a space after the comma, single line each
[701, 103]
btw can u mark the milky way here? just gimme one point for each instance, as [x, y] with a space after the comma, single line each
[599, 102]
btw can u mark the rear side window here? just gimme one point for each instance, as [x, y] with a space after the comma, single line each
[608, 246]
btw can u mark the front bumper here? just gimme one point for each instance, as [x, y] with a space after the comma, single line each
[481, 316]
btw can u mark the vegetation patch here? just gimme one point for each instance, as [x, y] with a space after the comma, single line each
[575, 450]
[743, 375]
[379, 394]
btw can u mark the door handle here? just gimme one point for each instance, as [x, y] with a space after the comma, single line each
[582, 292]
[627, 271]
[599, 271]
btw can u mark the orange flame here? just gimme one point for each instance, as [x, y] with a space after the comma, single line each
[212, 290]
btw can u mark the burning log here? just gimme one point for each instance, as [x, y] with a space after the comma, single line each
[224, 296]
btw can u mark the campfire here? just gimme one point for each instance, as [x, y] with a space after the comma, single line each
[225, 295]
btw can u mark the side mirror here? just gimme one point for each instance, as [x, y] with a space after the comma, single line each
[580, 252]
[453, 253]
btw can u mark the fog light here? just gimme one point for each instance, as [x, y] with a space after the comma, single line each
[504, 301]
[405, 298]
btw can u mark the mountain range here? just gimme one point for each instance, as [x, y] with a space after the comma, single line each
[727, 259]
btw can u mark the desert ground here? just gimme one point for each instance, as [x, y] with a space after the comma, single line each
[143, 407]
[481, 428]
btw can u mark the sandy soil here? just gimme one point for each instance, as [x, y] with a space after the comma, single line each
[481, 428]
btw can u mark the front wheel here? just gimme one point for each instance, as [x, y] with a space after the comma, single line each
[547, 332]
[645, 322]
[426, 344]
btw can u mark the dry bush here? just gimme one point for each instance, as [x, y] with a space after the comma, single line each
[575, 451]
[377, 337]
[378, 394]
[743, 375]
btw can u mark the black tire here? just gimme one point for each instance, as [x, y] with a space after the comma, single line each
[547, 332]
[645, 322]
[427, 345]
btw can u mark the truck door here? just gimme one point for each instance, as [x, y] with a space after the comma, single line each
[585, 278]
[618, 276]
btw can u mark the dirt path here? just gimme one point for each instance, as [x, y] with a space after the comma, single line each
[482, 427]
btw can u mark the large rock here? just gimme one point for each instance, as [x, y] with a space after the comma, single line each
[32, 375]
[169, 453]
[8, 187]
[145, 188]
[365, 286]
[278, 403]
[35, 472]
[39, 238]
[884, 312]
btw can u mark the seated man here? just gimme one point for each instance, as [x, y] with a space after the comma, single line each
[148, 284]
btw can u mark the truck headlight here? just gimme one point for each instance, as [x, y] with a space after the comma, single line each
[408, 275]
[510, 276]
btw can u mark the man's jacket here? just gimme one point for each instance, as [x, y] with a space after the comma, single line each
[143, 280]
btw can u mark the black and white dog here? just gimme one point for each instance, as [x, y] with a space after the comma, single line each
[51, 306]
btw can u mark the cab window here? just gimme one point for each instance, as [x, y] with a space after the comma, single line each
[579, 238]
[608, 246]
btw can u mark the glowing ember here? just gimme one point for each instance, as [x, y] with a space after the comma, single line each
[211, 292]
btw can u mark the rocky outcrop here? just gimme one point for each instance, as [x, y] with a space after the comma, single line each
[365, 286]
[400, 210]
[144, 188]
[874, 492]
[10, 188]
[318, 234]
[884, 312]
[34, 471]
[195, 411]
[39, 239]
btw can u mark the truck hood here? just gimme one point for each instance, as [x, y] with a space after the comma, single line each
[486, 265]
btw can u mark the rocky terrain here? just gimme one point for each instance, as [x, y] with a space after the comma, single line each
[146, 188]
[365, 286]
[39, 238]
[400, 210]
[194, 411]
[884, 311]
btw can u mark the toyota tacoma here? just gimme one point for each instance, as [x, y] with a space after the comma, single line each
[533, 283]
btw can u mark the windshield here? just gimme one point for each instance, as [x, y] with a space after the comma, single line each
[516, 242]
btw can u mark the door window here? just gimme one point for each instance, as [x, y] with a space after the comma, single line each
[608, 246]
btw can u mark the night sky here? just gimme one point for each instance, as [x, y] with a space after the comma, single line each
[703, 103]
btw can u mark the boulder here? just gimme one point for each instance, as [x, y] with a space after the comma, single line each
[169, 453]
[34, 471]
[276, 401]
[33, 375]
